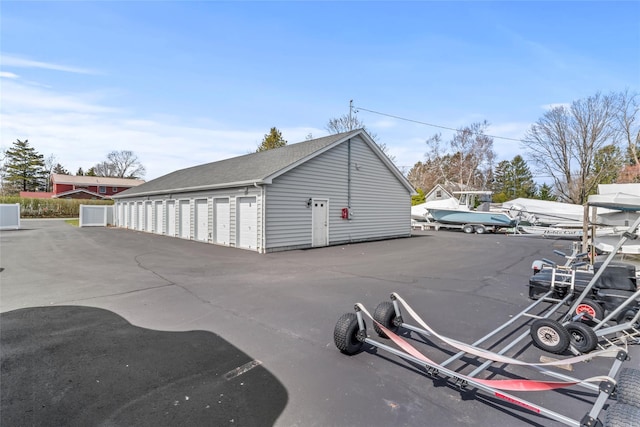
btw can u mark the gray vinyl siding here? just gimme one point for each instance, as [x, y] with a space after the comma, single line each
[380, 204]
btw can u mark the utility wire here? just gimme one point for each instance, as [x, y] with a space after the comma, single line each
[437, 126]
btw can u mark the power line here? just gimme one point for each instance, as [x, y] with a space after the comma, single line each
[437, 126]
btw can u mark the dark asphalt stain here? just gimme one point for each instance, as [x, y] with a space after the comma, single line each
[82, 366]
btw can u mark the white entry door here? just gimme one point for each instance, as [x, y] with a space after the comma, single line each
[140, 225]
[148, 222]
[247, 226]
[159, 212]
[320, 222]
[171, 218]
[202, 220]
[185, 219]
[221, 215]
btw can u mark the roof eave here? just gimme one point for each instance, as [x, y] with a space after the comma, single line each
[252, 182]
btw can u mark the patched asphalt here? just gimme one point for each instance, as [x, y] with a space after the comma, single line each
[82, 304]
[72, 365]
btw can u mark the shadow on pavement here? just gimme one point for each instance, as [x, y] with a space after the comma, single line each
[71, 365]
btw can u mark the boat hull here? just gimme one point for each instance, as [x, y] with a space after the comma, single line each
[495, 219]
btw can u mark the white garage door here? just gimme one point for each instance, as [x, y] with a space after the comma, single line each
[202, 220]
[130, 215]
[159, 212]
[171, 218]
[120, 218]
[140, 225]
[185, 219]
[221, 215]
[247, 228]
[148, 219]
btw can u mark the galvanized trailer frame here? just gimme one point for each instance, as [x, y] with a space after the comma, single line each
[467, 381]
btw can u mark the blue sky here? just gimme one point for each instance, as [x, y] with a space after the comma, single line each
[185, 83]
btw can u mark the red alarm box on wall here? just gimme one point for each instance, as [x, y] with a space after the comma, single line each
[345, 213]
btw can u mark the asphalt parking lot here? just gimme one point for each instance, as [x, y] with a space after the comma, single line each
[103, 326]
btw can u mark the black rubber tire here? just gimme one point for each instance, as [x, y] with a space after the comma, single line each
[384, 314]
[480, 229]
[583, 338]
[625, 316]
[345, 332]
[621, 415]
[550, 335]
[468, 229]
[593, 308]
[628, 387]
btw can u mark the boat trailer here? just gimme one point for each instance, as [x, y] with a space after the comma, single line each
[567, 333]
[350, 334]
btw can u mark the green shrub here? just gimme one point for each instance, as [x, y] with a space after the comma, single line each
[50, 208]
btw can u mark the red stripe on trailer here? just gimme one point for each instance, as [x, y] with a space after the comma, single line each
[507, 385]
[517, 402]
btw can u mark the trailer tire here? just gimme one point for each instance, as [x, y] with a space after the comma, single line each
[628, 315]
[480, 229]
[384, 314]
[592, 308]
[345, 334]
[628, 387]
[621, 415]
[583, 338]
[550, 336]
[468, 229]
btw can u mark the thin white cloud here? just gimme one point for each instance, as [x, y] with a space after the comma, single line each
[79, 131]
[18, 62]
[8, 75]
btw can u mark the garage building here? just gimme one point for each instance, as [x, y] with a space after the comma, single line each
[327, 191]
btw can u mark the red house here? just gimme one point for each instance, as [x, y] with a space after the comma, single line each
[89, 187]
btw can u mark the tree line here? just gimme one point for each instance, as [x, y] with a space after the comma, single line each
[25, 169]
[592, 141]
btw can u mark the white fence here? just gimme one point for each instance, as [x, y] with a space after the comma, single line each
[10, 217]
[96, 215]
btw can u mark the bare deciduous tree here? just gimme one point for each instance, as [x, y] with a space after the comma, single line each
[121, 164]
[564, 142]
[467, 162]
[348, 122]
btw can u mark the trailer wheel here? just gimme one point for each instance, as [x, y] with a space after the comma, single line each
[583, 338]
[628, 387]
[627, 316]
[621, 415]
[345, 334]
[550, 335]
[385, 315]
[480, 229]
[468, 228]
[592, 308]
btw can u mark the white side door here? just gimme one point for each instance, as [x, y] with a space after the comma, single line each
[320, 222]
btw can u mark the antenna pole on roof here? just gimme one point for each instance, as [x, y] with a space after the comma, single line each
[350, 110]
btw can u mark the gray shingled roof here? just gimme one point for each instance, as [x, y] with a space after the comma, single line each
[242, 170]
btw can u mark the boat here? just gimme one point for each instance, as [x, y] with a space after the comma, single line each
[546, 213]
[471, 219]
[621, 202]
[421, 212]
[461, 217]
